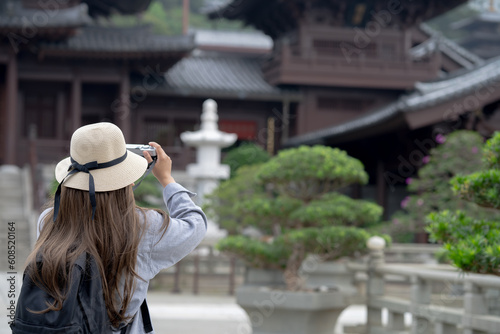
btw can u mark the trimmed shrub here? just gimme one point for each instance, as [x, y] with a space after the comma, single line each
[293, 200]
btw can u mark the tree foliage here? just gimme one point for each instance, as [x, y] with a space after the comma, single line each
[224, 204]
[165, 17]
[294, 200]
[472, 243]
[245, 155]
[307, 173]
[456, 154]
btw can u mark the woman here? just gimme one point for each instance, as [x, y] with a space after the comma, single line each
[96, 213]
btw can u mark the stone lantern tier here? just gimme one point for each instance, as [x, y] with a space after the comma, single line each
[209, 141]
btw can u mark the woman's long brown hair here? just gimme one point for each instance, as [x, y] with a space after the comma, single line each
[112, 238]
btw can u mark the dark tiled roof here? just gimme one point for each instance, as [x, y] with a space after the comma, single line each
[15, 17]
[425, 95]
[432, 93]
[456, 52]
[122, 42]
[484, 17]
[239, 77]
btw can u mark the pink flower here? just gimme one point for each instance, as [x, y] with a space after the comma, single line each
[395, 221]
[426, 159]
[405, 201]
[474, 150]
[408, 180]
[420, 202]
[440, 139]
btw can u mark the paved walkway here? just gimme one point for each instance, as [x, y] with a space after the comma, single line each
[181, 314]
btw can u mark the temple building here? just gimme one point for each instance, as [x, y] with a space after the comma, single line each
[369, 77]
[481, 33]
[60, 69]
[375, 80]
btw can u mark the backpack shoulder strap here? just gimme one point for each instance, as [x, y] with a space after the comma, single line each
[146, 319]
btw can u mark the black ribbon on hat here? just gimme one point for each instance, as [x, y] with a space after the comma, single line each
[74, 168]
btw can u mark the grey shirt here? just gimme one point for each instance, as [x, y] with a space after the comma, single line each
[187, 227]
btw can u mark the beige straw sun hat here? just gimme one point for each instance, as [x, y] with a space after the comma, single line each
[101, 143]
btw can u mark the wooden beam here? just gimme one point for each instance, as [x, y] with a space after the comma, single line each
[66, 74]
[449, 111]
[25, 74]
[108, 77]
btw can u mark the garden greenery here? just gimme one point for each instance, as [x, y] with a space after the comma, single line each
[472, 243]
[245, 155]
[458, 153]
[295, 201]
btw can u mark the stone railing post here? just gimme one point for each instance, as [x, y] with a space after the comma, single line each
[475, 303]
[375, 283]
[420, 300]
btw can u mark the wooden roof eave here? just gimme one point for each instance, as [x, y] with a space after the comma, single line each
[393, 124]
[53, 33]
[112, 55]
[449, 111]
[431, 103]
[230, 95]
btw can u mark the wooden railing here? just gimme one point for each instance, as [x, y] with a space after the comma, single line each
[292, 63]
[202, 271]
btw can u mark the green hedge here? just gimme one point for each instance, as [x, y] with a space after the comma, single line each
[338, 209]
[309, 172]
[482, 188]
[471, 244]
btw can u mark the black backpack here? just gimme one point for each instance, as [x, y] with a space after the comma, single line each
[83, 311]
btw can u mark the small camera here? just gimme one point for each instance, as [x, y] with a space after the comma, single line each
[139, 148]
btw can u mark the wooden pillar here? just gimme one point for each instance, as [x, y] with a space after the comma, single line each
[11, 104]
[302, 110]
[33, 161]
[122, 113]
[176, 288]
[76, 102]
[196, 275]
[285, 122]
[270, 135]
[60, 119]
[185, 17]
[381, 187]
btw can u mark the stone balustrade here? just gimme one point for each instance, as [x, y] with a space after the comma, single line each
[441, 300]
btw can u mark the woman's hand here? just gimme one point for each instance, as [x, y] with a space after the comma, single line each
[162, 169]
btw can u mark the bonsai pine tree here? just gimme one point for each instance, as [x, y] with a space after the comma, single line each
[458, 153]
[472, 243]
[294, 199]
[245, 155]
